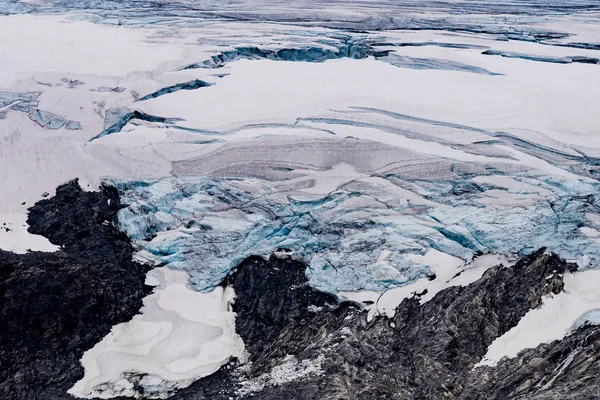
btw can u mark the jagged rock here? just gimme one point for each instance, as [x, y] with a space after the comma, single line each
[565, 369]
[55, 306]
[427, 351]
[283, 298]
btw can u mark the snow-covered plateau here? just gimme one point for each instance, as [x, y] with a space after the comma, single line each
[397, 149]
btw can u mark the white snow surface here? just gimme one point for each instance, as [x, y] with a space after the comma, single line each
[431, 155]
[180, 336]
[550, 321]
[14, 235]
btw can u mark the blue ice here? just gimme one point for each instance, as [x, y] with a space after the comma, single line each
[208, 226]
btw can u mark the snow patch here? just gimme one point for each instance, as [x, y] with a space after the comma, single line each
[180, 336]
[14, 236]
[556, 317]
[290, 370]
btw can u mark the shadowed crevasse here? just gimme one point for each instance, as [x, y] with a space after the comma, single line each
[191, 85]
[127, 115]
[346, 49]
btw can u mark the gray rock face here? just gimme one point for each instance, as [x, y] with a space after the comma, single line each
[451, 333]
[566, 369]
[284, 299]
[427, 351]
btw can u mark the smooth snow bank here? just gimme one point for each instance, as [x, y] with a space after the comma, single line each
[554, 319]
[180, 336]
[34, 44]
[14, 236]
[525, 101]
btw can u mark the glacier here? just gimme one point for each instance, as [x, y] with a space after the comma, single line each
[208, 226]
[393, 148]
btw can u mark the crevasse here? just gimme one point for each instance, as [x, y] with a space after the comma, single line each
[354, 238]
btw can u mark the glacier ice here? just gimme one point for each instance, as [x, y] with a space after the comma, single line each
[10, 98]
[433, 63]
[27, 103]
[46, 119]
[444, 165]
[340, 46]
[115, 119]
[106, 89]
[207, 226]
[591, 317]
[73, 125]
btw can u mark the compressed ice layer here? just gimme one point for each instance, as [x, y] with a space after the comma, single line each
[525, 21]
[342, 47]
[219, 223]
[357, 237]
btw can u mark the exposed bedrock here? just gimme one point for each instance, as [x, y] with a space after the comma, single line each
[271, 296]
[566, 369]
[55, 306]
[319, 350]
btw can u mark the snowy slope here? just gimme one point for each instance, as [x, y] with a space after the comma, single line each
[393, 148]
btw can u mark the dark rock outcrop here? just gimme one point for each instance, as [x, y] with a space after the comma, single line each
[565, 369]
[427, 351]
[55, 306]
[271, 296]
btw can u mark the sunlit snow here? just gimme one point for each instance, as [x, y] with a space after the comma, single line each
[392, 147]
